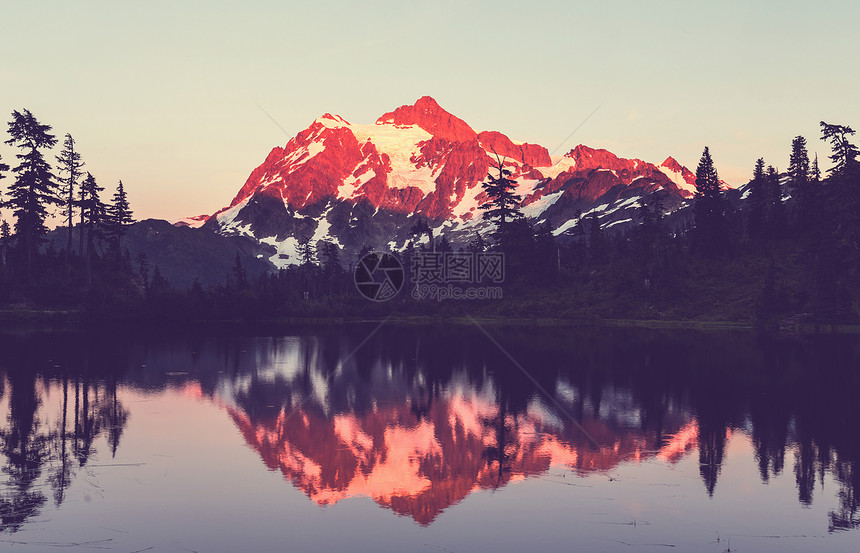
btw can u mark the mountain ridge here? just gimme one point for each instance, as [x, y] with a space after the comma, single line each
[421, 161]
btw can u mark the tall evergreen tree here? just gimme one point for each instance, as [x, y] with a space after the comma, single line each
[330, 258]
[3, 169]
[477, 244]
[93, 212]
[845, 153]
[421, 227]
[69, 165]
[775, 209]
[93, 220]
[5, 241]
[757, 201]
[444, 245]
[118, 217]
[798, 165]
[504, 204]
[239, 275]
[35, 187]
[815, 172]
[709, 208]
[307, 252]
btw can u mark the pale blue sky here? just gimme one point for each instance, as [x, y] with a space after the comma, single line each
[163, 94]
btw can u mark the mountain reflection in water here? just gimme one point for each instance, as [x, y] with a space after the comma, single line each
[420, 417]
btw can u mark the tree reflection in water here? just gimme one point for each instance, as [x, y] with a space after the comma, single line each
[420, 417]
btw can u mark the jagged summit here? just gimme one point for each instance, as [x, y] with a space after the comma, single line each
[356, 184]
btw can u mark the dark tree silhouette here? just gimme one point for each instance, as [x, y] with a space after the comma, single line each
[421, 227]
[757, 201]
[118, 218]
[709, 208]
[478, 244]
[845, 153]
[503, 205]
[93, 220]
[307, 252]
[239, 275]
[775, 209]
[69, 165]
[798, 168]
[35, 187]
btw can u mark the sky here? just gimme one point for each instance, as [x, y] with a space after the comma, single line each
[182, 100]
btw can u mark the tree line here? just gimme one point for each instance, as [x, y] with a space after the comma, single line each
[38, 188]
[784, 247]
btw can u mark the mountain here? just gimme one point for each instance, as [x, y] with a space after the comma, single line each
[360, 185]
[182, 254]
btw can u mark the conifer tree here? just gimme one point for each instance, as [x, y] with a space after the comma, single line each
[477, 244]
[757, 201]
[798, 166]
[815, 172]
[3, 169]
[504, 204]
[5, 240]
[709, 208]
[330, 258]
[307, 252]
[93, 210]
[93, 220]
[239, 275]
[845, 153]
[421, 227]
[775, 209]
[69, 165]
[35, 187]
[444, 245]
[118, 217]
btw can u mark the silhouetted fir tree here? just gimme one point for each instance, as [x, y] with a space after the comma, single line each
[306, 252]
[143, 268]
[546, 252]
[3, 169]
[93, 213]
[815, 172]
[35, 187]
[798, 179]
[118, 218]
[444, 245]
[776, 220]
[330, 258]
[69, 164]
[240, 278]
[159, 283]
[645, 214]
[5, 244]
[757, 200]
[477, 244]
[709, 208]
[845, 153]
[331, 265]
[421, 227]
[503, 206]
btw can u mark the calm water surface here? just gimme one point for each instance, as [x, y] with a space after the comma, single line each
[359, 438]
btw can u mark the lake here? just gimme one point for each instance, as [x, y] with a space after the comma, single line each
[385, 437]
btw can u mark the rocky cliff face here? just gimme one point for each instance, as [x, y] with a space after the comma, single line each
[358, 185]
